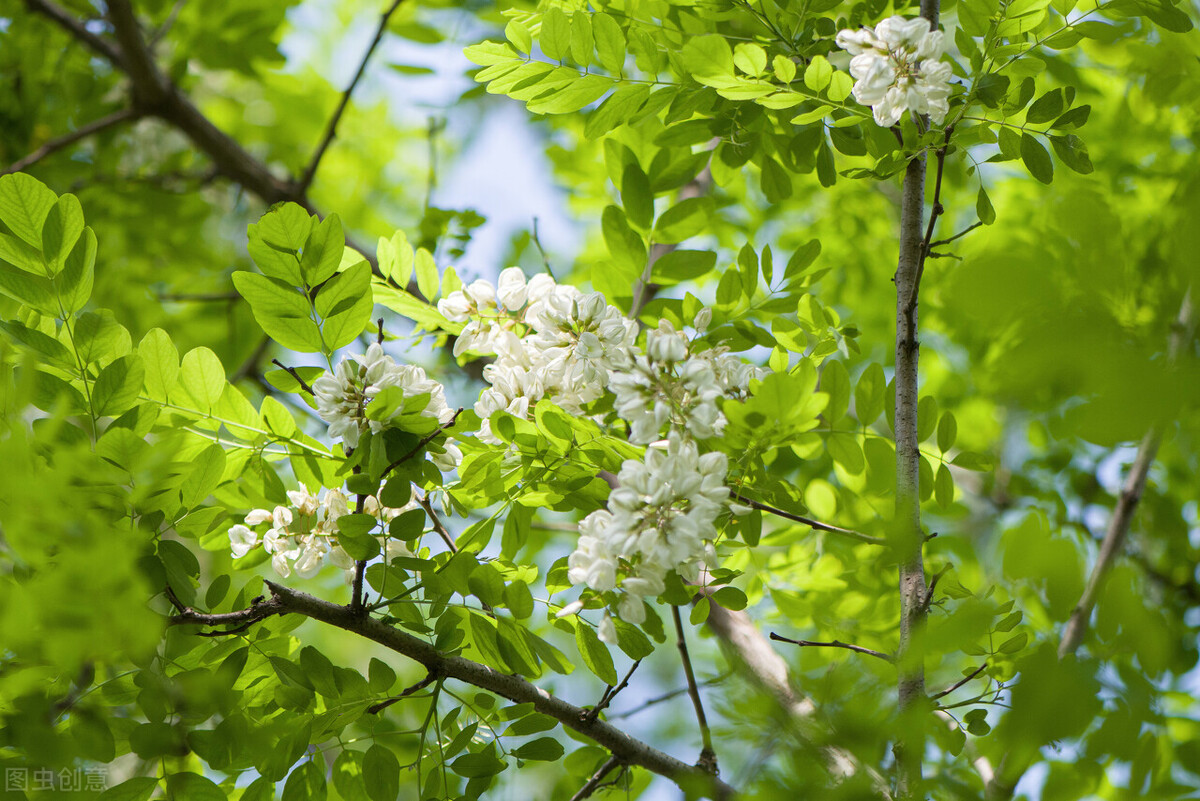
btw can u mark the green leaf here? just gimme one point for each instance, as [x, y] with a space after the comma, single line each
[61, 231]
[78, 274]
[24, 204]
[346, 303]
[1037, 159]
[381, 773]
[636, 196]
[943, 487]
[708, 56]
[868, 395]
[1046, 107]
[471, 766]
[323, 251]
[281, 310]
[193, 787]
[626, 247]
[1072, 152]
[595, 654]
[118, 386]
[555, 37]
[818, 73]
[683, 265]
[684, 220]
[49, 349]
[160, 358]
[983, 208]
[201, 379]
[543, 749]
[610, 42]
[138, 788]
[750, 59]
[205, 475]
[801, 260]
[428, 279]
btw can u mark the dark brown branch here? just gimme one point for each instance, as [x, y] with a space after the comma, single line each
[66, 140]
[959, 683]
[74, 26]
[627, 749]
[424, 503]
[375, 709]
[708, 757]
[593, 784]
[419, 446]
[835, 644]
[292, 372]
[310, 171]
[808, 521]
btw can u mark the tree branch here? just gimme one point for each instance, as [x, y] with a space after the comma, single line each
[611, 692]
[424, 503]
[417, 448]
[1006, 777]
[1122, 517]
[835, 644]
[310, 171]
[708, 757]
[627, 749]
[66, 140]
[808, 521]
[959, 683]
[907, 539]
[292, 372]
[593, 784]
[74, 26]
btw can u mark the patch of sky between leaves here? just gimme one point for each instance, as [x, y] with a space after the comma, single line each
[499, 169]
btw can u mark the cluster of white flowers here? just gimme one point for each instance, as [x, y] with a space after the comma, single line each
[660, 518]
[342, 396]
[548, 339]
[673, 384]
[897, 68]
[303, 537]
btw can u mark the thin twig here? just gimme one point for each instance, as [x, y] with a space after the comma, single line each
[610, 692]
[937, 210]
[538, 244]
[423, 501]
[808, 521]
[310, 171]
[593, 784]
[658, 699]
[77, 28]
[375, 709]
[420, 445]
[292, 372]
[959, 235]
[835, 644]
[960, 683]
[708, 757]
[66, 140]
[197, 297]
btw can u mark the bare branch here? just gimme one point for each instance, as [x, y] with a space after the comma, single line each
[375, 709]
[808, 521]
[708, 757]
[420, 445]
[310, 171]
[959, 683]
[1122, 517]
[610, 692]
[593, 784]
[424, 503]
[74, 26]
[66, 140]
[835, 644]
[292, 372]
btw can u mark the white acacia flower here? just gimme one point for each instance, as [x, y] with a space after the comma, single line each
[242, 540]
[897, 68]
[607, 630]
[342, 397]
[661, 517]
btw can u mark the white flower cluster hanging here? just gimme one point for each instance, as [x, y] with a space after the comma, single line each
[303, 537]
[897, 68]
[549, 339]
[342, 397]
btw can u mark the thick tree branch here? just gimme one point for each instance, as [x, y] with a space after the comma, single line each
[907, 537]
[310, 171]
[66, 140]
[628, 750]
